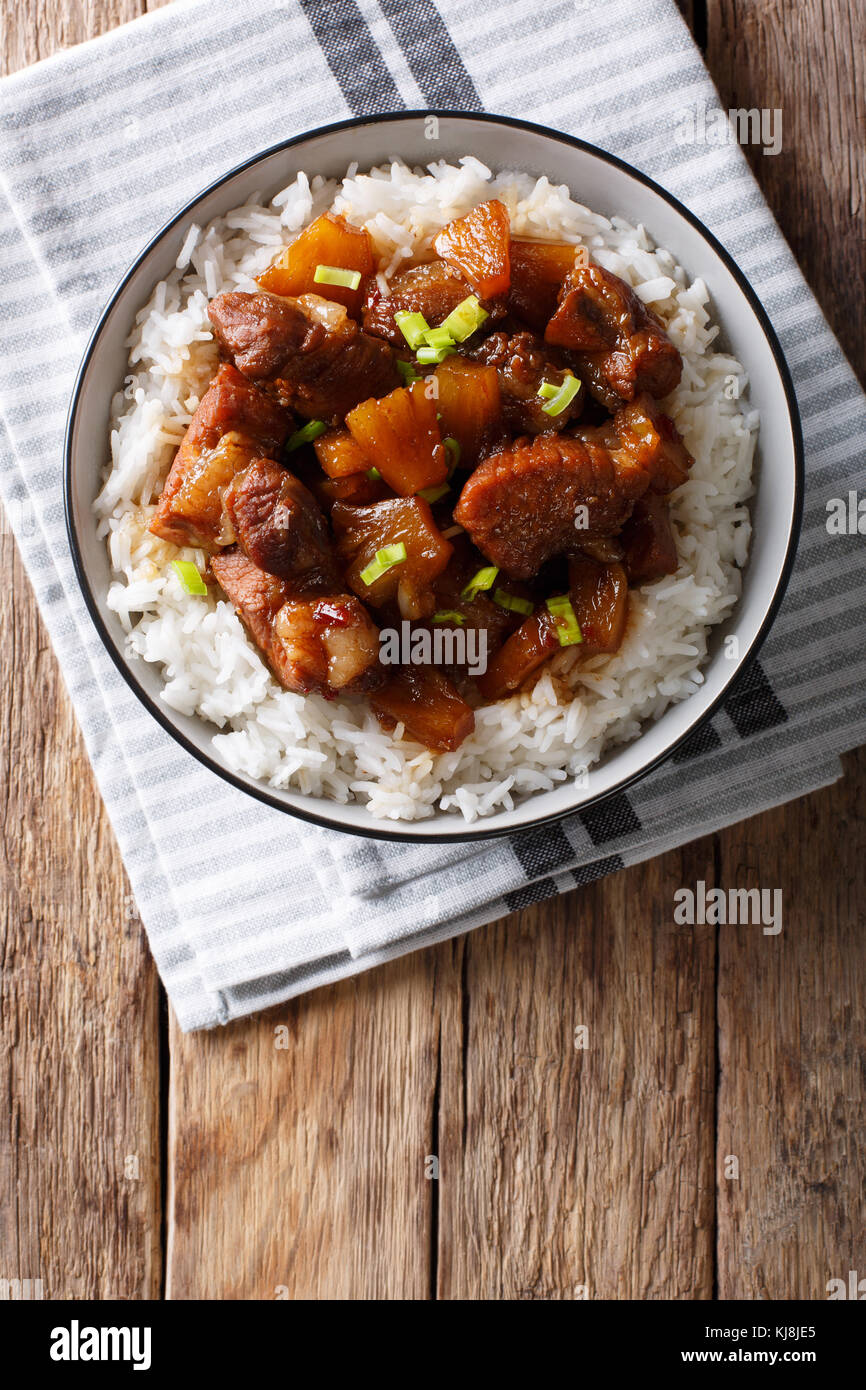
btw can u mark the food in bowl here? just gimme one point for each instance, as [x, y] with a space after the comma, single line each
[426, 487]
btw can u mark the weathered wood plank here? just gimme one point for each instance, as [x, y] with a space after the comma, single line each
[31, 31]
[297, 1157]
[792, 1211]
[791, 1094]
[570, 1172]
[79, 1139]
[79, 1017]
[809, 61]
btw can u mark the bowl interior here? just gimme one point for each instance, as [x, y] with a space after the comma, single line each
[605, 186]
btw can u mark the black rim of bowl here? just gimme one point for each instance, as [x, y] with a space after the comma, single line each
[468, 833]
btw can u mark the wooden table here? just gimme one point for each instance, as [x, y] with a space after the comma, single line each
[138, 1163]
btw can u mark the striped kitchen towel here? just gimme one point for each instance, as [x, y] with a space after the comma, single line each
[98, 147]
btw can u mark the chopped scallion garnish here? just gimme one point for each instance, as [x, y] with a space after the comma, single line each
[336, 275]
[559, 398]
[189, 576]
[482, 579]
[407, 372]
[427, 354]
[433, 494]
[310, 431]
[449, 615]
[386, 558]
[452, 449]
[438, 338]
[512, 602]
[567, 627]
[412, 326]
[464, 320]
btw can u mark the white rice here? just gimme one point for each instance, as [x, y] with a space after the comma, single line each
[337, 750]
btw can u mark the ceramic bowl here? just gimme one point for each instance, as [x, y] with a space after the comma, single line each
[605, 184]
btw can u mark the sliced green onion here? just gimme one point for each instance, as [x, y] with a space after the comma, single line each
[386, 558]
[189, 576]
[310, 431]
[567, 627]
[373, 474]
[482, 579]
[512, 602]
[438, 338]
[412, 326]
[449, 615]
[434, 494]
[558, 399]
[335, 275]
[452, 448]
[407, 372]
[464, 320]
[429, 354]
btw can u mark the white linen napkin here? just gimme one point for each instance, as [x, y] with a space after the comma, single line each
[98, 147]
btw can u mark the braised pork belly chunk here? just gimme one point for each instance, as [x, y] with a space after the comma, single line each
[234, 423]
[540, 499]
[279, 525]
[526, 367]
[433, 289]
[620, 347]
[467, 456]
[327, 644]
[307, 353]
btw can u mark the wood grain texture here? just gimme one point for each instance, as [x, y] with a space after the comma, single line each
[792, 1097]
[809, 60]
[792, 1037]
[298, 1141]
[79, 1137]
[582, 1171]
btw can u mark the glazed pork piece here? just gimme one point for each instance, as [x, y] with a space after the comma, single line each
[620, 347]
[433, 289]
[642, 431]
[327, 644]
[428, 705]
[480, 612]
[538, 270]
[520, 506]
[306, 353]
[278, 524]
[598, 594]
[654, 441]
[649, 545]
[524, 363]
[234, 423]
